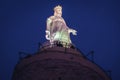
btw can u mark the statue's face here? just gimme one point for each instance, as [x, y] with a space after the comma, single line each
[59, 11]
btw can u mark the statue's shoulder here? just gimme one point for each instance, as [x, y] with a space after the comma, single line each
[51, 17]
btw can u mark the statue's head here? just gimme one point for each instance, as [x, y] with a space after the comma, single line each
[57, 7]
[58, 10]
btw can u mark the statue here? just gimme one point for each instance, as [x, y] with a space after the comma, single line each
[57, 30]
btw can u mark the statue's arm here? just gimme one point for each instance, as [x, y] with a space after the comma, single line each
[49, 21]
[48, 24]
[74, 32]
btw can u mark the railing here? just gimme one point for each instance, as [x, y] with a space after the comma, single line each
[56, 43]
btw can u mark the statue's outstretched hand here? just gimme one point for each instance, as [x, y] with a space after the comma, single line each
[74, 32]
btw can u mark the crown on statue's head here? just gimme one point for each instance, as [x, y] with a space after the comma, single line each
[57, 7]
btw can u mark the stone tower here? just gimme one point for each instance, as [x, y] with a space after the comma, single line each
[58, 63]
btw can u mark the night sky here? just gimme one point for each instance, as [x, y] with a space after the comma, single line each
[23, 24]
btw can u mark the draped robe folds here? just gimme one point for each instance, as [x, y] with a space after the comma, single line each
[58, 30]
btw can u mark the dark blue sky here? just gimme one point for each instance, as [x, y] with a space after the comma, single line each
[23, 24]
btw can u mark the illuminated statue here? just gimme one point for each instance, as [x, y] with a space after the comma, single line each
[57, 30]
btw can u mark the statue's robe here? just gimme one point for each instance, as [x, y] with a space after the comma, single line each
[58, 30]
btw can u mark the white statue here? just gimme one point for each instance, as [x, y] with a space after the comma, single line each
[57, 30]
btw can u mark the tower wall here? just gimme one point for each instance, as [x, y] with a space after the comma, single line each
[58, 63]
